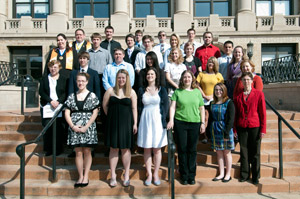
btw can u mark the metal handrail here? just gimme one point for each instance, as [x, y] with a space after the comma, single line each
[22, 88]
[171, 163]
[280, 120]
[20, 150]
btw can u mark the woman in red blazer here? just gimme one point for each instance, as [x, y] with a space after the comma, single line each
[248, 66]
[250, 125]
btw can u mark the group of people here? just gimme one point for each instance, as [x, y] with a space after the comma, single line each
[146, 90]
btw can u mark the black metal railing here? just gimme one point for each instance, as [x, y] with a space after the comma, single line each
[280, 120]
[20, 150]
[14, 78]
[8, 71]
[282, 69]
[171, 163]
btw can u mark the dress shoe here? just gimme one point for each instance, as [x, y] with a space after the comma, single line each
[224, 180]
[184, 182]
[217, 179]
[255, 182]
[77, 184]
[147, 183]
[85, 184]
[192, 182]
[157, 183]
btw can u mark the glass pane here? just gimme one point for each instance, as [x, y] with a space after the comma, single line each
[23, 10]
[36, 67]
[100, 0]
[202, 9]
[39, 1]
[263, 8]
[22, 1]
[101, 10]
[142, 10]
[221, 8]
[82, 1]
[83, 10]
[161, 9]
[41, 10]
[142, 0]
[282, 7]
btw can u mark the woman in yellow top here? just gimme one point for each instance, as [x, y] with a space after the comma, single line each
[207, 81]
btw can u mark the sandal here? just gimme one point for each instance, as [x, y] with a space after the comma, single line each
[113, 182]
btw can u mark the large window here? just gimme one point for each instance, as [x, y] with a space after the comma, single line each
[204, 8]
[33, 8]
[96, 8]
[159, 8]
[270, 7]
[273, 51]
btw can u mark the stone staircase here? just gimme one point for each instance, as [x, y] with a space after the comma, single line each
[16, 129]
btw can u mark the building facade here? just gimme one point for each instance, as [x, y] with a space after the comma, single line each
[29, 27]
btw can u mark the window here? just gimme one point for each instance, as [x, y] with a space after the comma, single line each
[96, 8]
[33, 8]
[270, 7]
[204, 8]
[274, 51]
[159, 8]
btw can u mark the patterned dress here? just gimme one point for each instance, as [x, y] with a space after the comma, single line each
[217, 127]
[81, 112]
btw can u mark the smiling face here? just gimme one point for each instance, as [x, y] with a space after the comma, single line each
[119, 56]
[130, 42]
[189, 50]
[210, 65]
[109, 33]
[246, 67]
[174, 42]
[238, 53]
[151, 76]
[187, 79]
[174, 55]
[149, 61]
[207, 39]
[247, 82]
[54, 70]
[218, 92]
[121, 80]
[191, 35]
[147, 44]
[162, 37]
[61, 42]
[228, 48]
[81, 82]
[79, 36]
[83, 61]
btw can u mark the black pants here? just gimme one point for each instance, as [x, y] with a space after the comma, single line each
[250, 141]
[186, 136]
[60, 135]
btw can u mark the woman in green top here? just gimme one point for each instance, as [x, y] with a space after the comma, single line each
[187, 116]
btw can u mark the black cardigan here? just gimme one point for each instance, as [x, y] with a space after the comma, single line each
[61, 90]
[229, 118]
[163, 106]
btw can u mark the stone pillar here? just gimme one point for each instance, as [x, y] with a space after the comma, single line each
[57, 21]
[279, 22]
[3, 14]
[182, 17]
[245, 14]
[120, 19]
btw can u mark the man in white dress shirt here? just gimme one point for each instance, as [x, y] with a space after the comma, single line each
[163, 45]
[225, 59]
[140, 61]
[191, 34]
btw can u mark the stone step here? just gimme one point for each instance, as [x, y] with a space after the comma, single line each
[18, 135]
[288, 115]
[10, 146]
[138, 172]
[273, 124]
[20, 126]
[19, 118]
[136, 188]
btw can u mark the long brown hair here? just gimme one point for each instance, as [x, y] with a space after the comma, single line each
[224, 89]
[127, 84]
[181, 84]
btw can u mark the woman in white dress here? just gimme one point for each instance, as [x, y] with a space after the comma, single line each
[152, 108]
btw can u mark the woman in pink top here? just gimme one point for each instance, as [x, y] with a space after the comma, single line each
[248, 66]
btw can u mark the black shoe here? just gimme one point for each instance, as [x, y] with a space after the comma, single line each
[226, 180]
[243, 179]
[72, 155]
[191, 182]
[204, 141]
[217, 179]
[85, 184]
[184, 182]
[48, 153]
[255, 182]
[76, 185]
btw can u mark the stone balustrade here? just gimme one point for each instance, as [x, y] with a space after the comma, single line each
[278, 22]
[151, 24]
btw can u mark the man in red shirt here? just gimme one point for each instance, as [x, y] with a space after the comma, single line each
[207, 50]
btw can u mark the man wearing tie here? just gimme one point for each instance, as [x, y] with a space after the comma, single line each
[225, 59]
[163, 45]
[131, 51]
[110, 44]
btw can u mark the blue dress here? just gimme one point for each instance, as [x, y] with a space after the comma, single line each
[217, 127]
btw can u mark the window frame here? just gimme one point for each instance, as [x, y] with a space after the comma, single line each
[212, 6]
[31, 3]
[273, 6]
[152, 6]
[91, 2]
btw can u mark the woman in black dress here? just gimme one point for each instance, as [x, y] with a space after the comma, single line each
[120, 106]
[53, 92]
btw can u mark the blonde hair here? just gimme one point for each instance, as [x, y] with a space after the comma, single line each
[180, 58]
[127, 84]
[250, 62]
[216, 64]
[177, 37]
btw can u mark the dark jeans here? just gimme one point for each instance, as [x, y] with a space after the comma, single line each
[250, 141]
[60, 134]
[186, 136]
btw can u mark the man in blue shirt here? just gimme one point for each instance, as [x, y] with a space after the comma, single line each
[225, 59]
[110, 71]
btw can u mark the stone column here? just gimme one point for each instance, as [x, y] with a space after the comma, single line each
[57, 20]
[245, 14]
[3, 14]
[182, 17]
[120, 19]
